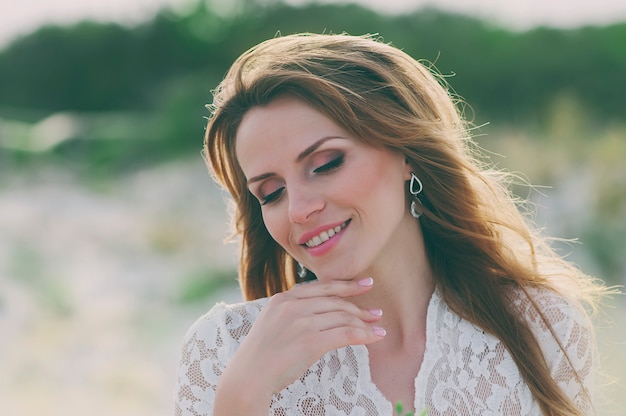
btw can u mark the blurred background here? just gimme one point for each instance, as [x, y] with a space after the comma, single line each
[112, 233]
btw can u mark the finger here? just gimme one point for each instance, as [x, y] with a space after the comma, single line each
[334, 288]
[338, 319]
[331, 331]
[324, 305]
[290, 306]
[350, 335]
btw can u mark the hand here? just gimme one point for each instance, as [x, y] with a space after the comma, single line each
[294, 330]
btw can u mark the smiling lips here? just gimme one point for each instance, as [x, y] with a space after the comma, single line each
[326, 235]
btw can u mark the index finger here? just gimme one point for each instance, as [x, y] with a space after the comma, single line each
[340, 288]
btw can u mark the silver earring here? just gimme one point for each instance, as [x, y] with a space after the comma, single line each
[415, 187]
[301, 270]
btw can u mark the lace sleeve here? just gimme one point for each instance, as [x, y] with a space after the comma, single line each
[572, 365]
[207, 348]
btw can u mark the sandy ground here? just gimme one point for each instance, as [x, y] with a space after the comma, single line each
[90, 278]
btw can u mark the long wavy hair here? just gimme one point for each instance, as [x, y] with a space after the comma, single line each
[478, 242]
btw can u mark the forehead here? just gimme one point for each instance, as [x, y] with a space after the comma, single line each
[277, 132]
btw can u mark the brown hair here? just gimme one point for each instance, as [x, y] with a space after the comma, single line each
[477, 241]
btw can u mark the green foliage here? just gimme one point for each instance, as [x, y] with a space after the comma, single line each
[103, 67]
[97, 67]
[400, 411]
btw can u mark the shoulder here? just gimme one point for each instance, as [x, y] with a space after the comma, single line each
[208, 346]
[550, 314]
[213, 339]
[565, 334]
[229, 322]
[561, 327]
[552, 317]
[461, 359]
[236, 319]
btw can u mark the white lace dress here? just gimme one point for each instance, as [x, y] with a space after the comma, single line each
[464, 370]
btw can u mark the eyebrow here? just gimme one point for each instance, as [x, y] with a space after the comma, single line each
[300, 157]
[314, 147]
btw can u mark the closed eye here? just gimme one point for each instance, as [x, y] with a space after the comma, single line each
[333, 164]
[269, 198]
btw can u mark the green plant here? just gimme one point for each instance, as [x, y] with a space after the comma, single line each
[400, 411]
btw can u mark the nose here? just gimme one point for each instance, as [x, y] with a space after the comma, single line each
[303, 203]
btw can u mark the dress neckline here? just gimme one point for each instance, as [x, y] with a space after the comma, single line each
[362, 355]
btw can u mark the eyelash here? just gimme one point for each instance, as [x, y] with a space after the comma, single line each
[332, 165]
[328, 167]
[272, 196]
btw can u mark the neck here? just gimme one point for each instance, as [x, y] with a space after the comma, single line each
[403, 286]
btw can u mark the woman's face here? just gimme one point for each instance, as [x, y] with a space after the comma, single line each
[334, 203]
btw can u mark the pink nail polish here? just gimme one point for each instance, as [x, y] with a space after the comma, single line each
[366, 282]
[380, 331]
[376, 312]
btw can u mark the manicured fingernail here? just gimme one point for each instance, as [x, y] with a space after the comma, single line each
[380, 331]
[376, 312]
[366, 282]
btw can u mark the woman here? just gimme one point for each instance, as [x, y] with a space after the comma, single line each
[349, 163]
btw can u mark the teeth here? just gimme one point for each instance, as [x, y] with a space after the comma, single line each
[324, 236]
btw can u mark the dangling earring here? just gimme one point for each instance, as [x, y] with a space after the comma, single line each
[302, 271]
[415, 187]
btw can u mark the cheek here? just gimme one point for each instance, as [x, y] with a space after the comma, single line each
[382, 191]
[375, 183]
[275, 224]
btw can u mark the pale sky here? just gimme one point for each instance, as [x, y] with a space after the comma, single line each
[23, 16]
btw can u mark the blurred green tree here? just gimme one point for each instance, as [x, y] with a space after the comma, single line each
[503, 74]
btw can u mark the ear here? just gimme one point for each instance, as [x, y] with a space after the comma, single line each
[407, 169]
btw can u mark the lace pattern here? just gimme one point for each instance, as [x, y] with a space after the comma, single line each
[465, 371]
